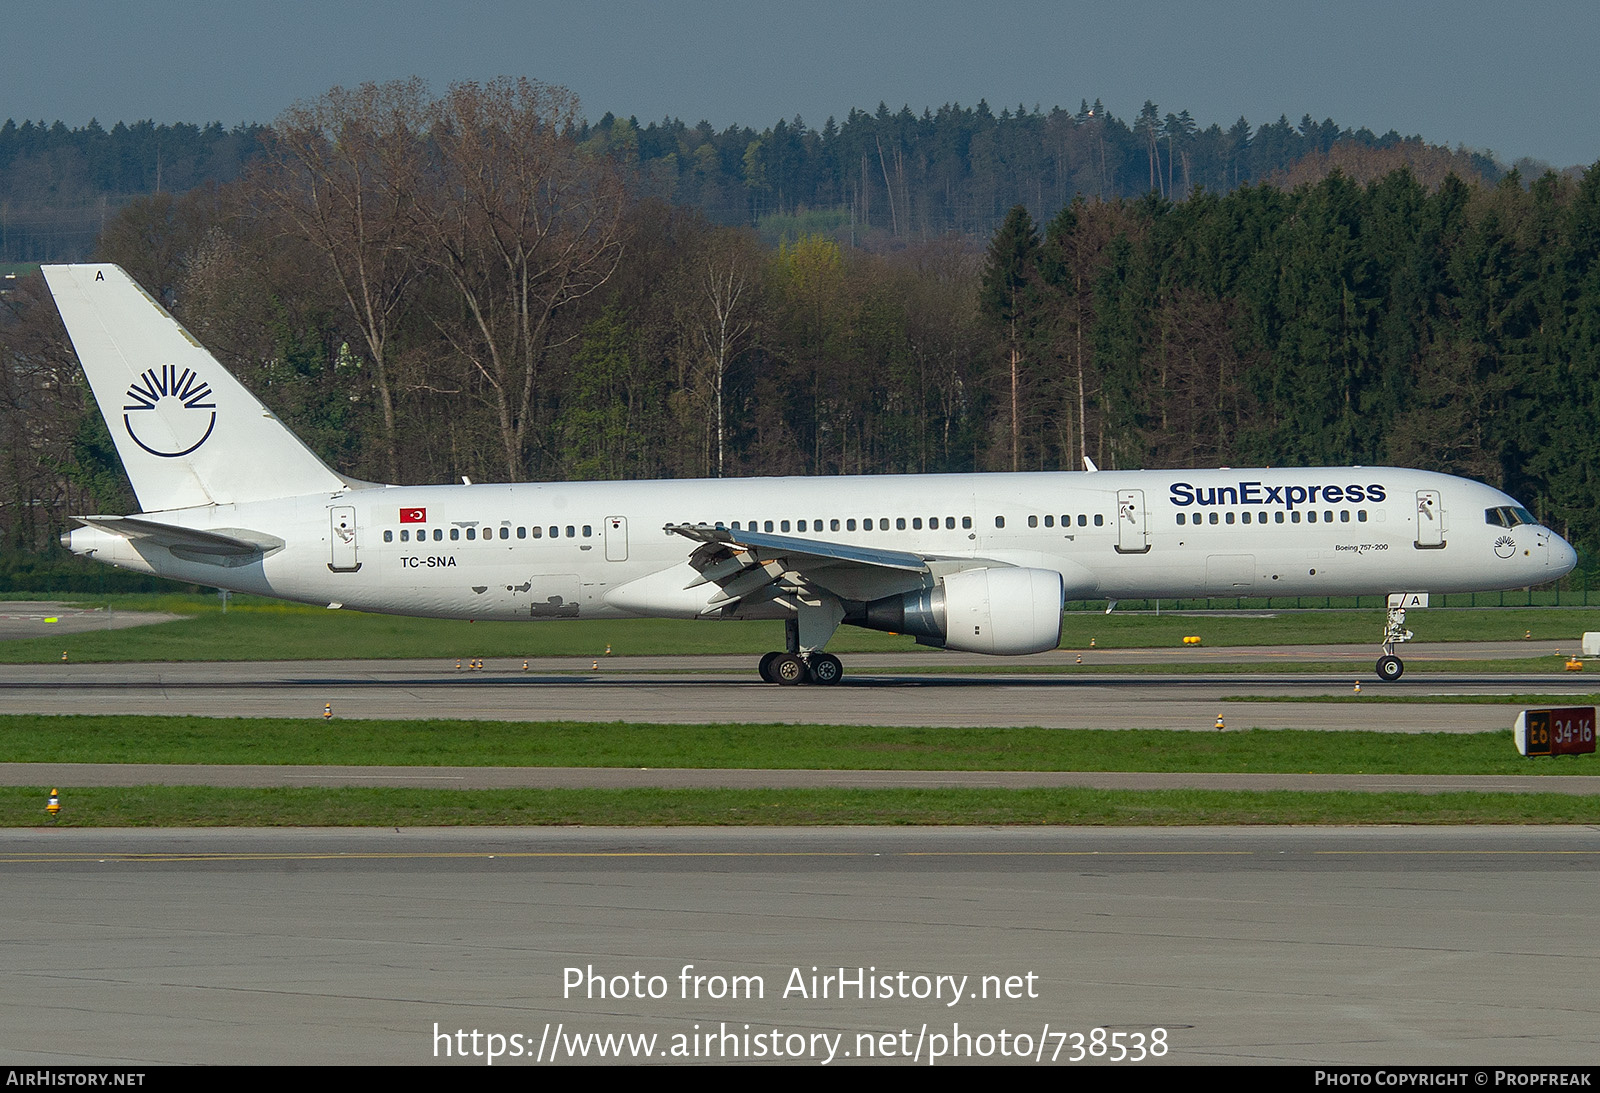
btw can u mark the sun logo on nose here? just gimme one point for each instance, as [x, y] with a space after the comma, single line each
[183, 408]
[1505, 546]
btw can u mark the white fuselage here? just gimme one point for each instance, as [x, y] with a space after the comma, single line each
[598, 549]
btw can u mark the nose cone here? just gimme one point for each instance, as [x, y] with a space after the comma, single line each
[1563, 559]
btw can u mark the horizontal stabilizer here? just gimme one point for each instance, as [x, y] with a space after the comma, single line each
[228, 543]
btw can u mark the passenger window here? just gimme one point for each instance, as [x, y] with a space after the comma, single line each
[1181, 519]
[1294, 517]
[405, 535]
[522, 533]
[1361, 516]
[555, 532]
[455, 533]
[1277, 517]
[505, 533]
[1033, 521]
[572, 532]
[438, 533]
[388, 536]
[1311, 517]
[833, 525]
[1213, 518]
[769, 525]
[1083, 521]
[802, 526]
[1244, 518]
[966, 521]
[1344, 516]
[1228, 518]
[900, 523]
[538, 532]
[785, 525]
[587, 531]
[999, 521]
[1049, 521]
[1099, 519]
[850, 525]
[472, 533]
[916, 523]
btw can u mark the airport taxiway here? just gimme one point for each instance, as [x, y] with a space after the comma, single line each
[1468, 946]
[903, 689]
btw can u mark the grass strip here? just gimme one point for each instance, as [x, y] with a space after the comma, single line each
[184, 806]
[29, 738]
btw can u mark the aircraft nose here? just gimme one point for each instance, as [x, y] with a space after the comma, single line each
[1562, 556]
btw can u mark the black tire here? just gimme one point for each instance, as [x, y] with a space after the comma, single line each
[766, 667]
[789, 670]
[1390, 668]
[826, 669]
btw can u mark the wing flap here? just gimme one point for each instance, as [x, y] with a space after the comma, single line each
[750, 567]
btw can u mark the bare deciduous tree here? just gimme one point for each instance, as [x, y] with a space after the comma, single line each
[521, 222]
[727, 273]
[348, 169]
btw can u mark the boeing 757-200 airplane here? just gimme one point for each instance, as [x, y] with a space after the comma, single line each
[975, 562]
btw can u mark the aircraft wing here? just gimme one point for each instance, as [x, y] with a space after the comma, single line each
[752, 566]
[215, 546]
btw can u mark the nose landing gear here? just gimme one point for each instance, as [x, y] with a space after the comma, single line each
[1391, 667]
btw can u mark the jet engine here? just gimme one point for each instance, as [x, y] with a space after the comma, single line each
[1004, 611]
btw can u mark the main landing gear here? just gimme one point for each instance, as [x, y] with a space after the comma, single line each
[805, 662]
[790, 669]
[1391, 667]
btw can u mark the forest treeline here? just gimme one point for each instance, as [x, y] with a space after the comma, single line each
[876, 179]
[426, 287]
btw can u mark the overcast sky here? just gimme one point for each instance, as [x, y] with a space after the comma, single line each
[1516, 79]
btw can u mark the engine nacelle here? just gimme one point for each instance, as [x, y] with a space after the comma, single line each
[1004, 611]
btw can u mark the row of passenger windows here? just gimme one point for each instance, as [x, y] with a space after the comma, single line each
[1278, 517]
[916, 523]
[571, 531]
[1050, 521]
[901, 523]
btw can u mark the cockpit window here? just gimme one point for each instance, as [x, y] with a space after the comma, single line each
[1508, 516]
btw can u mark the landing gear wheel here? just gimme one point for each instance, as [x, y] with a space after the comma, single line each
[1390, 668]
[789, 669]
[766, 667]
[826, 669]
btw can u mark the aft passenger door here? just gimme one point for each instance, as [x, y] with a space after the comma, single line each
[342, 539]
[1133, 533]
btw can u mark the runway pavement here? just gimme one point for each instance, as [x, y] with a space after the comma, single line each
[1469, 947]
[909, 689]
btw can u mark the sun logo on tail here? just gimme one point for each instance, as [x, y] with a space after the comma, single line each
[188, 424]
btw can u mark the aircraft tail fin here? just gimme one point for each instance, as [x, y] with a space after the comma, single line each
[188, 432]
